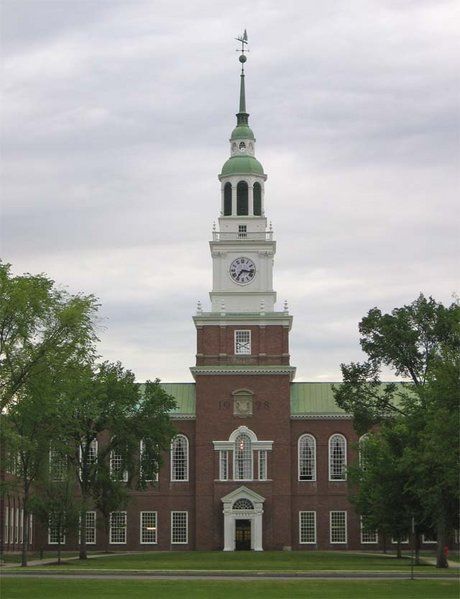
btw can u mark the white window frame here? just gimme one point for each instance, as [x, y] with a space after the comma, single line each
[21, 527]
[143, 527]
[334, 527]
[330, 455]
[186, 460]
[31, 528]
[141, 450]
[249, 342]
[299, 458]
[305, 526]
[93, 452]
[173, 514]
[124, 528]
[427, 541]
[16, 527]
[115, 471]
[404, 541]
[235, 459]
[11, 525]
[224, 473]
[6, 524]
[57, 465]
[88, 527]
[262, 464]
[50, 542]
[363, 533]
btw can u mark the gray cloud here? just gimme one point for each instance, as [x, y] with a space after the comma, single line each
[115, 123]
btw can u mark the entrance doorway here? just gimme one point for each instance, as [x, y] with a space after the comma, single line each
[243, 535]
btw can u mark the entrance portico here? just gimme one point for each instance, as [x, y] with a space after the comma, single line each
[243, 505]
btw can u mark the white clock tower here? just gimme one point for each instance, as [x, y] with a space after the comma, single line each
[242, 248]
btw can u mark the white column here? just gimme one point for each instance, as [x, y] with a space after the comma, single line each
[229, 533]
[233, 198]
[251, 199]
[257, 532]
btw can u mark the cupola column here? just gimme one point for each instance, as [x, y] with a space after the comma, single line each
[251, 199]
[233, 199]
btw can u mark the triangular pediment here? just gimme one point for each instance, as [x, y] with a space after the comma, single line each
[243, 492]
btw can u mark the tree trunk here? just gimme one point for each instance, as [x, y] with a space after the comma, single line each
[398, 550]
[384, 542]
[441, 558]
[417, 549]
[25, 530]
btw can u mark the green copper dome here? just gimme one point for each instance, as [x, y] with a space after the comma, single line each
[242, 132]
[242, 165]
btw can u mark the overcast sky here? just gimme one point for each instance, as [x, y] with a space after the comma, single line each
[116, 117]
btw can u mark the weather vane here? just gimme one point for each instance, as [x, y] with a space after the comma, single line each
[244, 40]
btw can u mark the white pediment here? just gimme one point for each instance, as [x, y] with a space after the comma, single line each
[242, 493]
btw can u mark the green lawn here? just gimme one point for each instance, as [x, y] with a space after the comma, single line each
[36, 588]
[268, 560]
[34, 555]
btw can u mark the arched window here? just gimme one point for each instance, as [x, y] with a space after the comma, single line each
[243, 458]
[117, 472]
[179, 458]
[243, 504]
[257, 189]
[362, 449]
[337, 457]
[228, 199]
[242, 198]
[307, 457]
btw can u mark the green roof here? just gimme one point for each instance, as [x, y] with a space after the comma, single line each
[242, 165]
[184, 394]
[242, 132]
[313, 398]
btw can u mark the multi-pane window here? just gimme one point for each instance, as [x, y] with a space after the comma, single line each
[307, 527]
[90, 528]
[150, 473]
[88, 454]
[55, 529]
[117, 472]
[223, 464]
[179, 528]
[368, 536]
[242, 342]
[148, 528]
[118, 526]
[337, 458]
[242, 231]
[429, 538]
[57, 465]
[242, 468]
[179, 458]
[338, 527]
[362, 450]
[307, 457]
[262, 464]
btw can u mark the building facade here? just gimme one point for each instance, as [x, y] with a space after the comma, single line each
[259, 462]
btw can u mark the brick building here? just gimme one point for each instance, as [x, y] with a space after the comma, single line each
[260, 461]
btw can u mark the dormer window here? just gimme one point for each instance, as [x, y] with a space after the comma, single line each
[242, 146]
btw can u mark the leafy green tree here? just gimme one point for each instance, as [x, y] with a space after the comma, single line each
[40, 326]
[419, 342]
[110, 495]
[103, 410]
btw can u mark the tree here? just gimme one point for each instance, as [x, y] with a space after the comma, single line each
[110, 495]
[40, 326]
[419, 342]
[103, 410]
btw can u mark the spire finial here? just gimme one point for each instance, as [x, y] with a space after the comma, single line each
[242, 115]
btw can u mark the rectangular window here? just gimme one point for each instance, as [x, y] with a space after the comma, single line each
[57, 465]
[54, 530]
[307, 528]
[338, 527]
[179, 528]
[242, 231]
[223, 464]
[118, 526]
[368, 536]
[16, 527]
[263, 464]
[116, 467]
[242, 342]
[149, 476]
[11, 525]
[90, 528]
[149, 528]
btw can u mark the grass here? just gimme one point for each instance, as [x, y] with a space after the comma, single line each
[120, 589]
[36, 555]
[275, 561]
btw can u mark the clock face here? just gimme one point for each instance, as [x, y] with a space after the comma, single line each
[242, 270]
